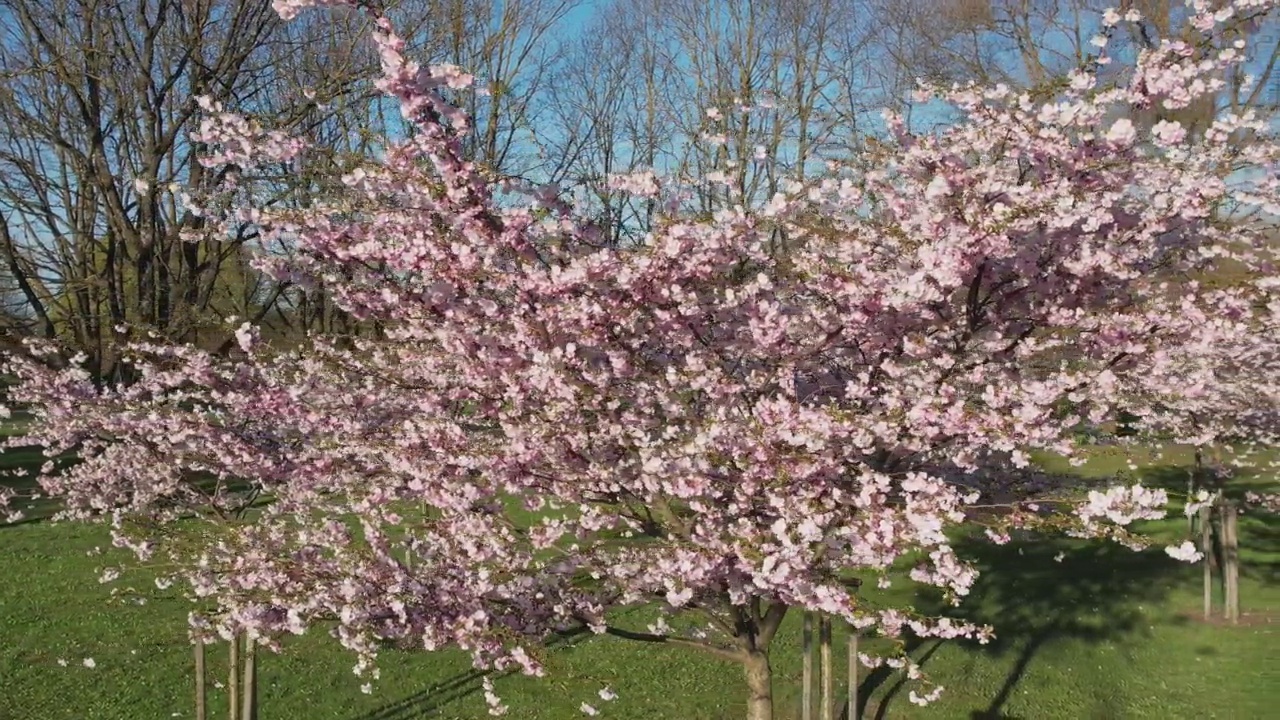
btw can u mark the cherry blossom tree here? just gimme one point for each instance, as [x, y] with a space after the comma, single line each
[744, 417]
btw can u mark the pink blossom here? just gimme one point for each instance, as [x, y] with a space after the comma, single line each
[1269, 502]
[1122, 132]
[1202, 499]
[925, 699]
[246, 336]
[1169, 132]
[643, 184]
[938, 187]
[1186, 552]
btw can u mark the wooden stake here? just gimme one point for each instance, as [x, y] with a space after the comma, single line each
[806, 695]
[828, 684]
[233, 679]
[202, 694]
[1206, 547]
[1193, 480]
[853, 674]
[249, 709]
[1231, 553]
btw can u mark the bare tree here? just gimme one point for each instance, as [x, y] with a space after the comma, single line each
[1034, 44]
[93, 121]
[95, 114]
[745, 92]
[96, 106]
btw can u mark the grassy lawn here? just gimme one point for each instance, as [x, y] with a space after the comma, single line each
[1103, 633]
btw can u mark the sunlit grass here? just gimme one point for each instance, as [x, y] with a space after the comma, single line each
[1102, 633]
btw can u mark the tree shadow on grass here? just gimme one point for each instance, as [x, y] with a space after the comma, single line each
[432, 699]
[919, 650]
[1038, 592]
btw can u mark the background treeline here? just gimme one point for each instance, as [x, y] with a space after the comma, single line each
[96, 107]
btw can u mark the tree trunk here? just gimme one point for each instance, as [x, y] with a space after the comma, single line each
[759, 687]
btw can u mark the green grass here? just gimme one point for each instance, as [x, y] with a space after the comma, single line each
[1105, 633]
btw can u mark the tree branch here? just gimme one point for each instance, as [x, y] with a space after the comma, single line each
[770, 623]
[717, 651]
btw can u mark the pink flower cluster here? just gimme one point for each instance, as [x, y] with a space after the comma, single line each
[1123, 505]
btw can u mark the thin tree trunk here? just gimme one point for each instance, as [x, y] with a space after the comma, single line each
[1206, 547]
[233, 679]
[828, 684]
[250, 689]
[759, 687]
[202, 693]
[806, 695]
[1231, 555]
